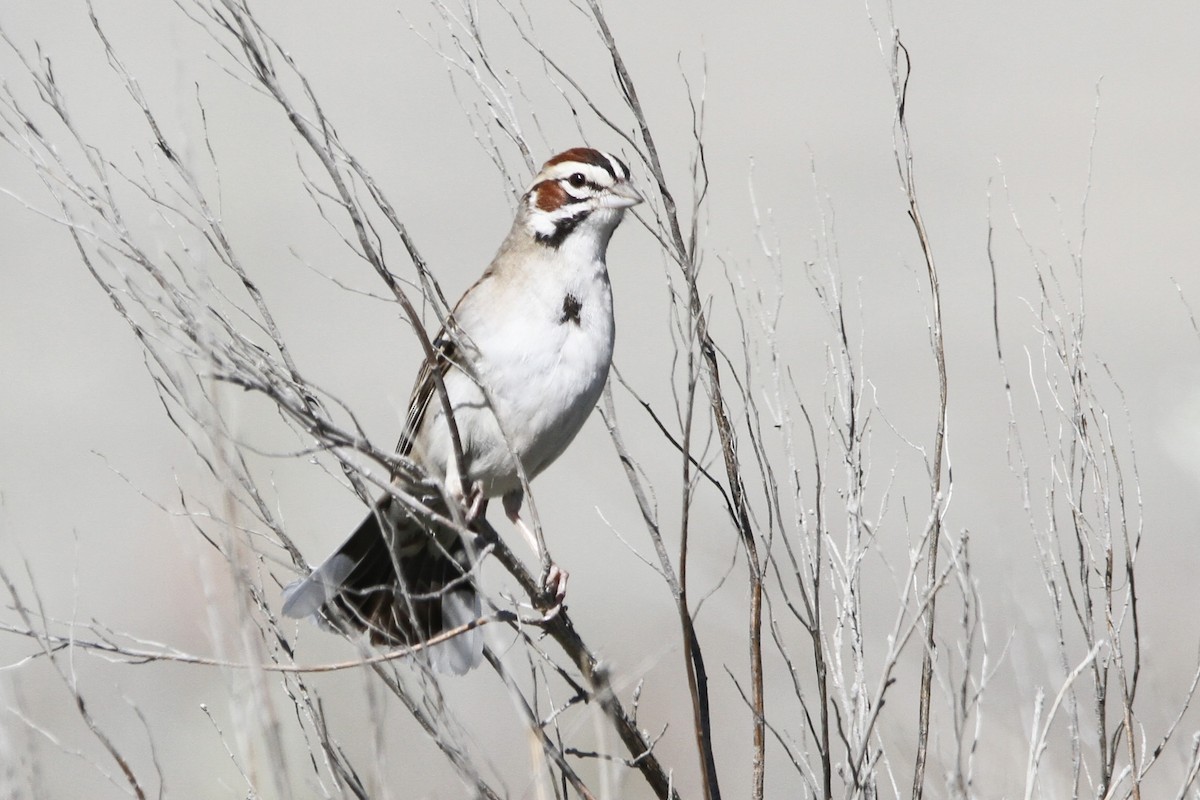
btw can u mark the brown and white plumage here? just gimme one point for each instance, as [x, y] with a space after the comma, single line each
[524, 361]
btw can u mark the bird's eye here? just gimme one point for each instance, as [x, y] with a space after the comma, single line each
[577, 180]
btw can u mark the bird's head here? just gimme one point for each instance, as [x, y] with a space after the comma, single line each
[580, 191]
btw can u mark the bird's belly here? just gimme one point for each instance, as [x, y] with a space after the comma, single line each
[541, 398]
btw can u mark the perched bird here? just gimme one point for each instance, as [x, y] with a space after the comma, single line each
[523, 358]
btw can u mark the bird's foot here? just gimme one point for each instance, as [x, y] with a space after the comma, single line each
[554, 588]
[475, 503]
[472, 501]
[469, 498]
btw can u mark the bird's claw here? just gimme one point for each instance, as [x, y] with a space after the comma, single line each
[555, 590]
[472, 501]
[475, 502]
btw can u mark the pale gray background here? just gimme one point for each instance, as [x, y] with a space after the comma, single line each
[1001, 94]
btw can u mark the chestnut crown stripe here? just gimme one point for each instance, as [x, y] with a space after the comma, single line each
[615, 168]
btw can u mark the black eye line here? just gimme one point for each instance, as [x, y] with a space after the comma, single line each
[595, 187]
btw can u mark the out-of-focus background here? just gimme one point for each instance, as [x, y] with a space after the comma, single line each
[1067, 131]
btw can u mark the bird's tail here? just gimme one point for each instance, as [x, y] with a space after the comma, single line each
[400, 587]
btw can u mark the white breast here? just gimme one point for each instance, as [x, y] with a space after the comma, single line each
[542, 369]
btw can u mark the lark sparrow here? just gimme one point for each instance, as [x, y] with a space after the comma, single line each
[523, 359]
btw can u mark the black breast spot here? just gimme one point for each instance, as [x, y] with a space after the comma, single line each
[570, 309]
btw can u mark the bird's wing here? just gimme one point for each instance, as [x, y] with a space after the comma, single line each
[446, 355]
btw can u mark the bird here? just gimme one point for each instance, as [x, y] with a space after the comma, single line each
[524, 356]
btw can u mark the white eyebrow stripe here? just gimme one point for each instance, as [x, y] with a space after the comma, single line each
[618, 167]
[594, 174]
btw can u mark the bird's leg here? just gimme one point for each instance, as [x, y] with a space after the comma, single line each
[475, 503]
[512, 510]
[556, 579]
[471, 499]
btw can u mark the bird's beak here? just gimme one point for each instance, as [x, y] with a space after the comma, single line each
[621, 195]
